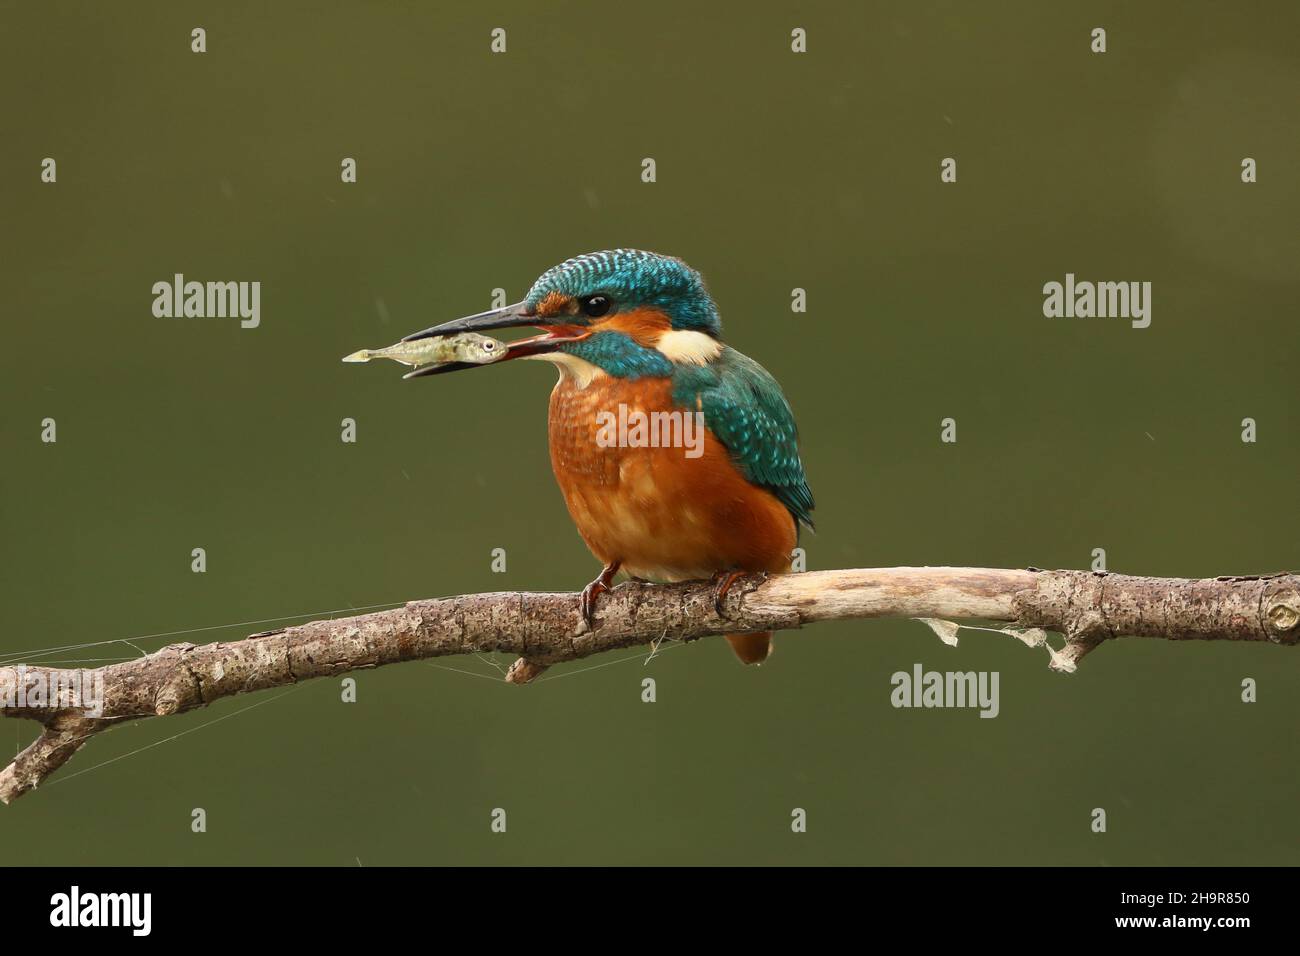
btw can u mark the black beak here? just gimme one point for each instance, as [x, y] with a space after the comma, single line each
[507, 317]
[439, 369]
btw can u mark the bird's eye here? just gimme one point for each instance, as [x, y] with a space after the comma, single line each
[596, 305]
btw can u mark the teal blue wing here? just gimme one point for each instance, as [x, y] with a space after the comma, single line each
[745, 409]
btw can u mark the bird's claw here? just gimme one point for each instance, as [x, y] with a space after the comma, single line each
[587, 603]
[724, 581]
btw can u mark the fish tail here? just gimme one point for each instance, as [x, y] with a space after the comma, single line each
[361, 356]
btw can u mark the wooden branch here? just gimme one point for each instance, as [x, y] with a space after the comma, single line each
[544, 629]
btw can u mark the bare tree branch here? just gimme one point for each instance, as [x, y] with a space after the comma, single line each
[544, 629]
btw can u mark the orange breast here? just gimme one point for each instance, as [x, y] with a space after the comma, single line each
[664, 513]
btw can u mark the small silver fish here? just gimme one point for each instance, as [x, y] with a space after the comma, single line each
[462, 347]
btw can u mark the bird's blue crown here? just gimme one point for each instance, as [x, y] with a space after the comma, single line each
[633, 278]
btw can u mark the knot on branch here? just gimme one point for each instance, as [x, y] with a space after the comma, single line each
[1280, 611]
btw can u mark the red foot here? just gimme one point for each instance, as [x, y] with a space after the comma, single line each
[587, 605]
[724, 579]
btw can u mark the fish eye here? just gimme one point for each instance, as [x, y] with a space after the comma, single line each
[596, 305]
[489, 346]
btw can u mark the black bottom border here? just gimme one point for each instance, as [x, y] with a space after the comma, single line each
[371, 904]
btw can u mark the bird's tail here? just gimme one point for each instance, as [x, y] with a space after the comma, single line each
[751, 648]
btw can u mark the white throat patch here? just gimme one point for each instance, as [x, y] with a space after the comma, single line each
[688, 348]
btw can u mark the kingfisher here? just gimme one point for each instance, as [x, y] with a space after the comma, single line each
[637, 337]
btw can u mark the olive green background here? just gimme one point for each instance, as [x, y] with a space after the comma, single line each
[775, 170]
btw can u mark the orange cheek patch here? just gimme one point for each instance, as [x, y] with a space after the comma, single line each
[643, 326]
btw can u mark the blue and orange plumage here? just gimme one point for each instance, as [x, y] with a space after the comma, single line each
[637, 329]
